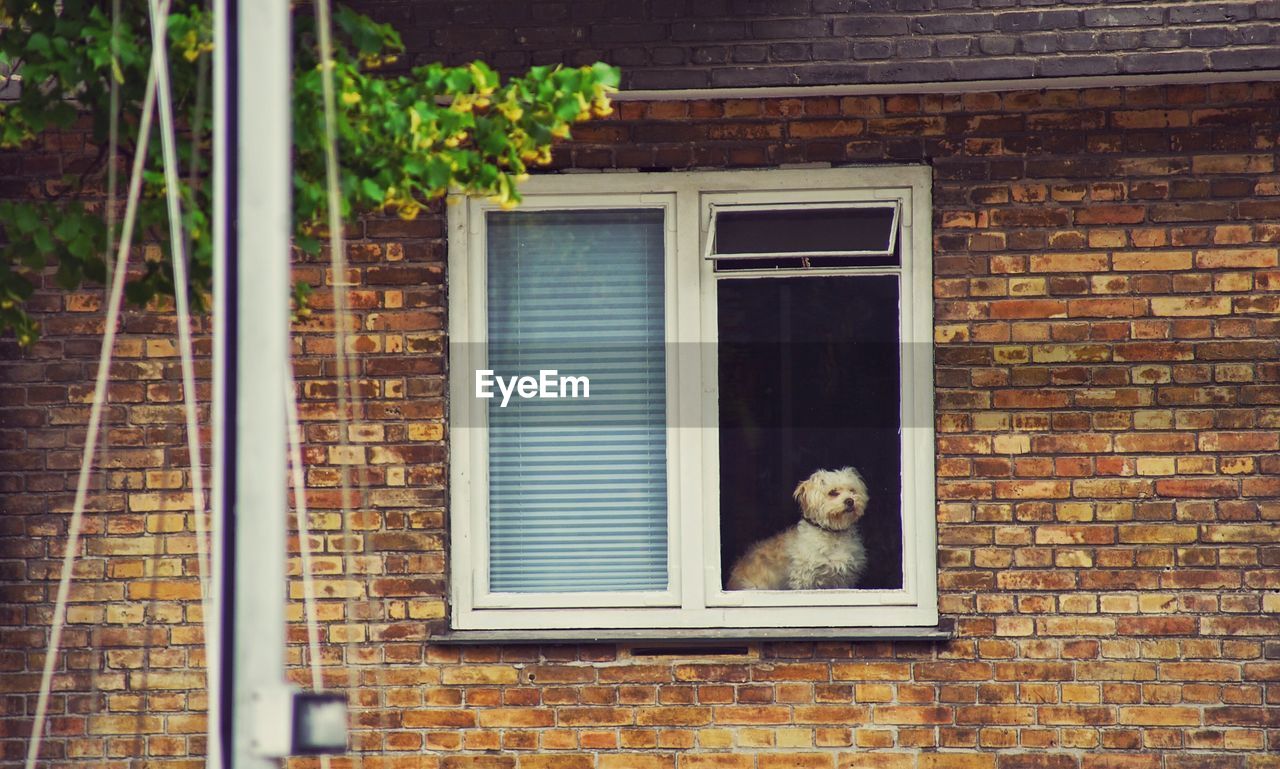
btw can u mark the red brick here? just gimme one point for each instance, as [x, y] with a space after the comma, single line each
[517, 717]
[1069, 262]
[1076, 715]
[1160, 716]
[557, 762]
[1028, 308]
[1033, 671]
[1110, 215]
[594, 716]
[952, 671]
[1236, 258]
[716, 761]
[1196, 487]
[1119, 761]
[1151, 261]
[1199, 671]
[909, 714]
[957, 761]
[1036, 580]
[635, 761]
[1155, 626]
[1240, 626]
[673, 716]
[1005, 715]
[870, 671]
[877, 760]
[1038, 761]
[796, 761]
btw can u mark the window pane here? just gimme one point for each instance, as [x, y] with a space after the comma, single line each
[804, 230]
[809, 380]
[577, 487]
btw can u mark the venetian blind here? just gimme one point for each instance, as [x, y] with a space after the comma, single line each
[577, 486]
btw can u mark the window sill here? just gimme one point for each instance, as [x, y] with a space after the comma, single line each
[943, 631]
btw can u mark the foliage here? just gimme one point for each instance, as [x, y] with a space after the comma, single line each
[405, 137]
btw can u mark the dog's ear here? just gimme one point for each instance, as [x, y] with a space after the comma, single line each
[801, 490]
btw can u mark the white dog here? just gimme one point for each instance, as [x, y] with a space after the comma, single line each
[823, 550]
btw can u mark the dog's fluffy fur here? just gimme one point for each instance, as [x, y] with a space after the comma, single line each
[823, 550]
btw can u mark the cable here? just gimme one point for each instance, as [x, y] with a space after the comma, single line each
[113, 197]
[304, 536]
[338, 260]
[95, 420]
[168, 141]
[159, 12]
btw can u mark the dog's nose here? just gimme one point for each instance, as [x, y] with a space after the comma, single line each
[849, 504]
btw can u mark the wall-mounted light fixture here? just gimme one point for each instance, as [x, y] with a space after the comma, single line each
[291, 722]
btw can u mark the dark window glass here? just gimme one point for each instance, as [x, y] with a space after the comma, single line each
[809, 377]
[807, 263]
[804, 230]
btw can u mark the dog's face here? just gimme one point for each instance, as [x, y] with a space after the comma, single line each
[833, 499]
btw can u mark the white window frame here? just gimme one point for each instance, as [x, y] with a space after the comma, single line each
[694, 598]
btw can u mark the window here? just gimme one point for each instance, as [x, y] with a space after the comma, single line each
[647, 372]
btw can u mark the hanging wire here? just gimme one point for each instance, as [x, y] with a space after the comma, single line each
[159, 12]
[304, 535]
[338, 266]
[113, 194]
[95, 420]
[159, 24]
[113, 138]
[197, 128]
[346, 385]
[142, 684]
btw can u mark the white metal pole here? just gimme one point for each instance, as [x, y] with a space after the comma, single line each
[221, 471]
[263, 228]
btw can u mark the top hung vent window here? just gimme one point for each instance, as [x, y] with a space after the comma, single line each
[856, 234]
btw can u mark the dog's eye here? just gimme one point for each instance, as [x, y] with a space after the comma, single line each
[833, 493]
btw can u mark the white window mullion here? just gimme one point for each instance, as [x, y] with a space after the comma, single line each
[688, 434]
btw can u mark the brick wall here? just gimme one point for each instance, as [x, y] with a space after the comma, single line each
[1107, 327]
[663, 44]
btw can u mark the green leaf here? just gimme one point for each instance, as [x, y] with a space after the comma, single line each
[308, 244]
[439, 170]
[80, 246]
[43, 240]
[24, 218]
[21, 288]
[606, 74]
[459, 80]
[138, 292]
[68, 275]
[67, 227]
[95, 269]
[38, 43]
[28, 256]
